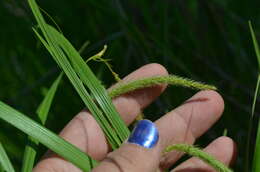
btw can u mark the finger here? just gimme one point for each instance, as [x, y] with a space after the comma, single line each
[139, 153]
[187, 122]
[223, 149]
[84, 132]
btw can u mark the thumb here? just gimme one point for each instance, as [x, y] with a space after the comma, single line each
[140, 153]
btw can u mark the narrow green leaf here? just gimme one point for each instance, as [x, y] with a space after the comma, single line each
[256, 164]
[83, 47]
[42, 112]
[5, 163]
[256, 158]
[44, 107]
[45, 136]
[225, 132]
[257, 51]
[29, 154]
[57, 53]
[87, 99]
[96, 88]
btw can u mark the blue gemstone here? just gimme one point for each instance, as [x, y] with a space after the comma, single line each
[144, 134]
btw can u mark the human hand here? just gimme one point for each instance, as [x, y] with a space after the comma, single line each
[182, 125]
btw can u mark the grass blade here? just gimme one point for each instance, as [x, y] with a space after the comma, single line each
[60, 58]
[5, 163]
[256, 165]
[42, 113]
[61, 49]
[45, 136]
[256, 158]
[44, 107]
[62, 61]
[96, 88]
[257, 51]
[29, 154]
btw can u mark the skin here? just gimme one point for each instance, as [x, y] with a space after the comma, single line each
[181, 125]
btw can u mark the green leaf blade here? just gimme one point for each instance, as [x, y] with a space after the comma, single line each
[29, 155]
[5, 162]
[256, 157]
[44, 107]
[256, 165]
[95, 86]
[45, 136]
[42, 112]
[60, 58]
[256, 46]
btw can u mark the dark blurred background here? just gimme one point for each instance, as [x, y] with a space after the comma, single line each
[203, 40]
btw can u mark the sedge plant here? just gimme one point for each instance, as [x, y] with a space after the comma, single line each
[94, 96]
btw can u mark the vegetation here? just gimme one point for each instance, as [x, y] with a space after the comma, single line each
[204, 40]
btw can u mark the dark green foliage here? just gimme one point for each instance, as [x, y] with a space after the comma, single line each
[203, 40]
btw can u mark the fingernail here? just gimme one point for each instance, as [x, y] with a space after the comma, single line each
[145, 134]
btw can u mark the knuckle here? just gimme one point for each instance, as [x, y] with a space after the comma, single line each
[122, 162]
